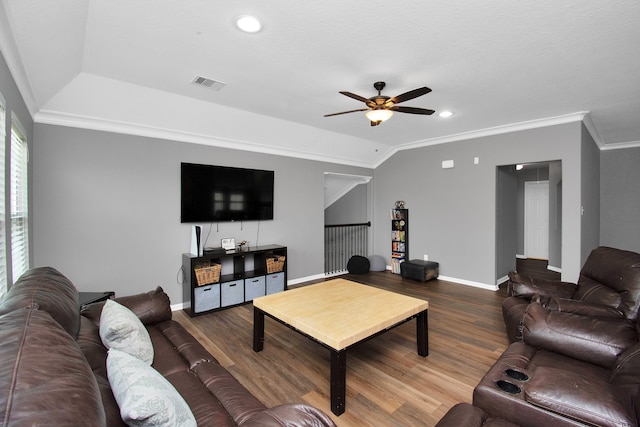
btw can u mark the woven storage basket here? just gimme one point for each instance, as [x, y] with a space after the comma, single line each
[275, 264]
[207, 275]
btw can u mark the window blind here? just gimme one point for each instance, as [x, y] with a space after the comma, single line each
[3, 240]
[19, 201]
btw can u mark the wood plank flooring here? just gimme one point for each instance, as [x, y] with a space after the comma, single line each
[536, 268]
[388, 383]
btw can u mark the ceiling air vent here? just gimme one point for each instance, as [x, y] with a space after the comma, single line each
[208, 83]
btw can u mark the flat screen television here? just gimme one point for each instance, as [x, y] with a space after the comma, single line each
[220, 193]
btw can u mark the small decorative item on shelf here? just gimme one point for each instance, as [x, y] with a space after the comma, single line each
[206, 275]
[228, 243]
[275, 264]
[400, 204]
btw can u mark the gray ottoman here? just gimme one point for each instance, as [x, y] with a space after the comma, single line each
[377, 263]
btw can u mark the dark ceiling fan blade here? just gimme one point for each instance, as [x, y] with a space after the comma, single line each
[345, 112]
[412, 110]
[358, 97]
[410, 95]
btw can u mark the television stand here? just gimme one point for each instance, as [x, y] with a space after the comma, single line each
[238, 277]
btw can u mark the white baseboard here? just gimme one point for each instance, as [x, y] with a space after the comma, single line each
[502, 280]
[314, 277]
[518, 256]
[181, 306]
[554, 269]
[469, 283]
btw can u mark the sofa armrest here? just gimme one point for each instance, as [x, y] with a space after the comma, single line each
[590, 339]
[584, 399]
[151, 307]
[579, 307]
[290, 415]
[626, 370]
[528, 287]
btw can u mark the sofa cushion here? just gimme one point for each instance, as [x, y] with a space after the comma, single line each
[627, 367]
[467, 415]
[527, 287]
[46, 289]
[579, 307]
[594, 340]
[121, 329]
[144, 396]
[41, 366]
[581, 398]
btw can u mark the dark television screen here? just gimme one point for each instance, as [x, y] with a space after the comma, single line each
[219, 193]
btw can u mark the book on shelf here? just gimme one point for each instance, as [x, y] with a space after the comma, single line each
[397, 214]
[395, 264]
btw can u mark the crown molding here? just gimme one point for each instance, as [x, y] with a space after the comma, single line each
[621, 145]
[85, 122]
[591, 128]
[497, 130]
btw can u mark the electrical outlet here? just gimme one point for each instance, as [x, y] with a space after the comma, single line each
[426, 257]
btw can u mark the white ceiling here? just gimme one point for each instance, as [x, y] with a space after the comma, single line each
[127, 65]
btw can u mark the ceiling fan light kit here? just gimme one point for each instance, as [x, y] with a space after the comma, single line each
[378, 115]
[381, 107]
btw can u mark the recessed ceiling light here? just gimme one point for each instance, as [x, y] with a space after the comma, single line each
[248, 24]
[446, 114]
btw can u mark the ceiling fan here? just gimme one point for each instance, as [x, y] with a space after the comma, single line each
[382, 107]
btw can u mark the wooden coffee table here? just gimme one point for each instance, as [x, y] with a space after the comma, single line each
[340, 314]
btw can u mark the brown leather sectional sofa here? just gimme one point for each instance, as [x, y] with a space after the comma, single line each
[575, 353]
[52, 363]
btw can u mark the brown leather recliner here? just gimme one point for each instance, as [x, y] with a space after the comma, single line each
[608, 286]
[569, 370]
[575, 353]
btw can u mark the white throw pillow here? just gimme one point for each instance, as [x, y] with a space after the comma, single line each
[121, 329]
[144, 396]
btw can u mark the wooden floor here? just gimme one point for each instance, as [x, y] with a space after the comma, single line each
[388, 383]
[536, 268]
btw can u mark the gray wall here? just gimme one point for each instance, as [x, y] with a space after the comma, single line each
[555, 215]
[453, 211]
[590, 192]
[107, 208]
[350, 208]
[506, 220]
[620, 198]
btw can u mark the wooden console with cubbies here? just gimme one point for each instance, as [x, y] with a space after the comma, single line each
[221, 280]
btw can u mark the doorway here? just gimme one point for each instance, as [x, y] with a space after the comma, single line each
[346, 217]
[516, 210]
